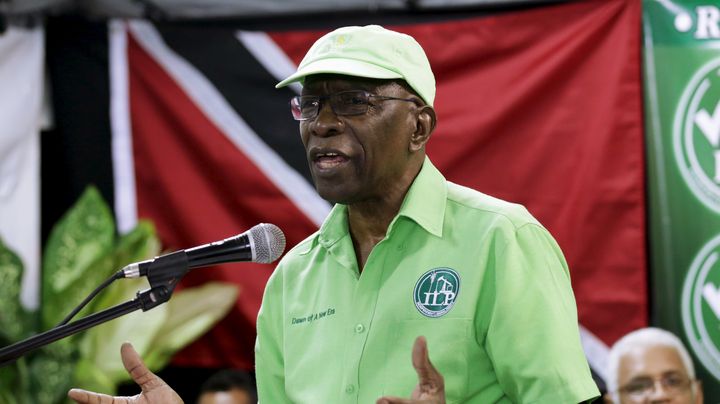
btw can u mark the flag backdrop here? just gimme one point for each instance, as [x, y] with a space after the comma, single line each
[539, 106]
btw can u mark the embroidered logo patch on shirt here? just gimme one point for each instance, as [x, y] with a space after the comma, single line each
[436, 291]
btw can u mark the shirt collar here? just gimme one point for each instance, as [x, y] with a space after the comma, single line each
[335, 226]
[424, 203]
[426, 199]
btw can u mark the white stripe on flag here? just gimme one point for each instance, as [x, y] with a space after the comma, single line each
[596, 352]
[273, 59]
[123, 163]
[209, 100]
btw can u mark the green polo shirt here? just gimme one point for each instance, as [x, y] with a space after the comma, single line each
[480, 278]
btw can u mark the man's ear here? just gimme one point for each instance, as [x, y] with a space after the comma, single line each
[424, 126]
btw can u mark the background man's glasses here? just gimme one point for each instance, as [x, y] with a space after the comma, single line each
[354, 102]
[640, 389]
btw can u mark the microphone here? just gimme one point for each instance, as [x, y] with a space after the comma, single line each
[263, 243]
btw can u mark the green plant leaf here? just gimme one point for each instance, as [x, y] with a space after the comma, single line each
[9, 384]
[14, 320]
[139, 244]
[51, 370]
[89, 377]
[100, 368]
[191, 313]
[101, 344]
[7, 397]
[76, 246]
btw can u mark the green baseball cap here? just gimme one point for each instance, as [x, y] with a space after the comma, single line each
[370, 51]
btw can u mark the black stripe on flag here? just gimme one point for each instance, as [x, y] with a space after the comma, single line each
[247, 86]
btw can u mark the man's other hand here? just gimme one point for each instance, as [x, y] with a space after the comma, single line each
[154, 389]
[431, 386]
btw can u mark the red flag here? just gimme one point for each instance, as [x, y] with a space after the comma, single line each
[540, 107]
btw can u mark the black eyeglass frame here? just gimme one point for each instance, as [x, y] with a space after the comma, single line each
[296, 103]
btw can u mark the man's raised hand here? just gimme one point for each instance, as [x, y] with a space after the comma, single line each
[154, 389]
[431, 385]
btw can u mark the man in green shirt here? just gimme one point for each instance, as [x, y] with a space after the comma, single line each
[405, 253]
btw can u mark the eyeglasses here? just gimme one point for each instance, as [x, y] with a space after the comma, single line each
[356, 102]
[640, 389]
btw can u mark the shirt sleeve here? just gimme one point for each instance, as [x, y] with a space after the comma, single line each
[532, 338]
[269, 364]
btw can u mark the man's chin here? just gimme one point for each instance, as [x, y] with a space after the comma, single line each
[334, 195]
[334, 199]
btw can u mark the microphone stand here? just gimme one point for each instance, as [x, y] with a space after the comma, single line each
[163, 275]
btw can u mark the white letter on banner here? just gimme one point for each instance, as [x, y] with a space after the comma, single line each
[707, 22]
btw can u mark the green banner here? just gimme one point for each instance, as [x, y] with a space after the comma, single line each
[682, 111]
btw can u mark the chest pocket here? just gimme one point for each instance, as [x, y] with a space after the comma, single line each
[448, 342]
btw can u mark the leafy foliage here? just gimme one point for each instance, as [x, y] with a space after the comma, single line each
[81, 252]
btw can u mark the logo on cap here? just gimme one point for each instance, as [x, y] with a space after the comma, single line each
[436, 291]
[340, 40]
[701, 306]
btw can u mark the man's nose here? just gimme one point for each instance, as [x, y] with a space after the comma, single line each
[327, 123]
[659, 393]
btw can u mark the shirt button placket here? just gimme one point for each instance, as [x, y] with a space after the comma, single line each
[364, 302]
[350, 389]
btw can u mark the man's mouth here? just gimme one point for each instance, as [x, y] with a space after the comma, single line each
[329, 160]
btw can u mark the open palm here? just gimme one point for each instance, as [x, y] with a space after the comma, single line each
[154, 389]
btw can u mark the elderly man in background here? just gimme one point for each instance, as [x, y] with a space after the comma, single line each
[651, 365]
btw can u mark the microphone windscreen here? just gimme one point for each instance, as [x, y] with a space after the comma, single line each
[269, 242]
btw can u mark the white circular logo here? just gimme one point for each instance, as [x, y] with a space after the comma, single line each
[701, 306]
[436, 291]
[696, 135]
